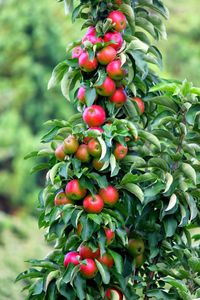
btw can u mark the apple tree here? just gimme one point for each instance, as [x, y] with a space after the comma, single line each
[120, 203]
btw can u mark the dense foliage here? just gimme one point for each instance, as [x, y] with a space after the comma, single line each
[155, 179]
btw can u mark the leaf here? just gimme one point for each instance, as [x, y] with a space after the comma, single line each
[147, 136]
[103, 147]
[184, 216]
[114, 166]
[135, 190]
[192, 113]
[170, 225]
[158, 163]
[137, 161]
[129, 13]
[57, 74]
[105, 274]
[54, 170]
[80, 285]
[164, 101]
[118, 260]
[189, 172]
[90, 96]
[68, 273]
[172, 202]
[169, 180]
[129, 178]
[192, 205]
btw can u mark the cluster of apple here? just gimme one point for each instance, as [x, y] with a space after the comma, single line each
[91, 203]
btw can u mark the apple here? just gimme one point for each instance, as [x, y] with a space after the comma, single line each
[86, 64]
[119, 2]
[118, 20]
[94, 116]
[136, 247]
[107, 88]
[139, 260]
[61, 199]
[86, 252]
[106, 55]
[59, 152]
[88, 138]
[74, 191]
[119, 97]
[91, 36]
[120, 151]
[97, 164]
[70, 144]
[81, 94]
[114, 70]
[76, 52]
[116, 37]
[88, 268]
[94, 148]
[79, 229]
[93, 204]
[82, 153]
[140, 104]
[109, 195]
[113, 294]
[71, 257]
[110, 235]
[106, 259]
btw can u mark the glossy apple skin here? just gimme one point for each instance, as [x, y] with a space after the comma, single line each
[91, 36]
[93, 204]
[118, 19]
[106, 55]
[114, 70]
[61, 199]
[88, 269]
[94, 148]
[108, 294]
[107, 260]
[71, 257]
[94, 116]
[120, 151]
[74, 191]
[110, 235]
[76, 52]
[86, 252]
[119, 97]
[59, 153]
[140, 104]
[81, 94]
[114, 36]
[109, 195]
[86, 64]
[97, 165]
[82, 153]
[136, 247]
[107, 88]
[70, 144]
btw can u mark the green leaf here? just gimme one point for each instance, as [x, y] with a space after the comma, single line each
[192, 205]
[103, 147]
[189, 172]
[114, 166]
[169, 180]
[194, 263]
[90, 96]
[103, 270]
[118, 260]
[184, 216]
[170, 225]
[68, 273]
[172, 202]
[192, 113]
[147, 136]
[135, 190]
[57, 74]
[129, 178]
[53, 172]
[80, 285]
[158, 163]
[129, 13]
[164, 101]
[137, 161]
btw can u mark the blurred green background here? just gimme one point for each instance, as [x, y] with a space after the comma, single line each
[33, 38]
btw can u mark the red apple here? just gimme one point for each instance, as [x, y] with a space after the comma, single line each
[82, 153]
[94, 148]
[119, 2]
[140, 104]
[70, 144]
[71, 257]
[76, 52]
[86, 64]
[110, 235]
[86, 252]
[94, 116]
[116, 37]
[97, 164]
[61, 199]
[120, 151]
[59, 152]
[113, 293]
[114, 70]
[106, 55]
[91, 36]
[109, 195]
[74, 191]
[106, 259]
[118, 20]
[88, 268]
[81, 94]
[93, 204]
[107, 88]
[119, 97]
